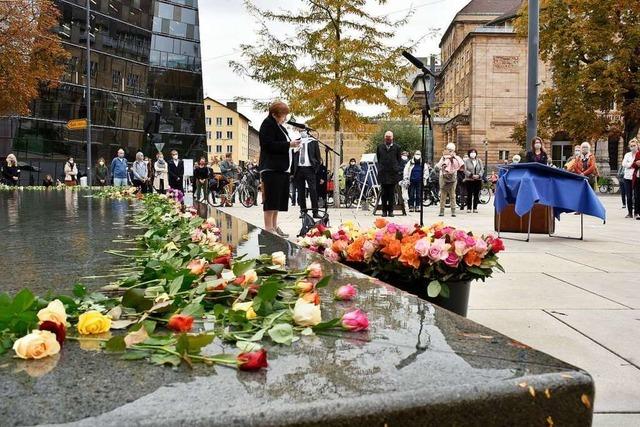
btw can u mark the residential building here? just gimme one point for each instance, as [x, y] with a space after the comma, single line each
[146, 80]
[254, 144]
[227, 130]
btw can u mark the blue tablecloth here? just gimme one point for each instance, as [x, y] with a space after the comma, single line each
[526, 184]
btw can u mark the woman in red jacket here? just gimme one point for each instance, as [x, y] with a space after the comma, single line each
[636, 183]
[586, 164]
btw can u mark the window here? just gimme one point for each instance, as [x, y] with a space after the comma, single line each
[208, 107]
[229, 121]
[229, 135]
[218, 121]
[503, 154]
[218, 135]
[209, 147]
[218, 148]
[208, 134]
[209, 121]
[229, 148]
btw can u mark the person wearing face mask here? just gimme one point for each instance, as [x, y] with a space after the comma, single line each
[101, 173]
[351, 173]
[70, 173]
[176, 172]
[632, 185]
[119, 169]
[414, 171]
[389, 159]
[449, 165]
[161, 171]
[571, 164]
[516, 159]
[473, 172]
[585, 165]
[537, 153]
[404, 156]
[275, 163]
[201, 175]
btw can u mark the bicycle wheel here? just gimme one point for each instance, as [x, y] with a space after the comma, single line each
[485, 196]
[214, 199]
[248, 196]
[351, 198]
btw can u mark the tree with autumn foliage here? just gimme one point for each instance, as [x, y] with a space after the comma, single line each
[338, 56]
[31, 54]
[593, 48]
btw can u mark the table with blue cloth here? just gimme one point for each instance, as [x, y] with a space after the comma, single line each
[527, 184]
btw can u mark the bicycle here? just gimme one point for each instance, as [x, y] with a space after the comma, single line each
[485, 193]
[609, 185]
[244, 189]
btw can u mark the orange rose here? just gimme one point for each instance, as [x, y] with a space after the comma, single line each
[472, 258]
[312, 297]
[393, 249]
[339, 245]
[381, 223]
[354, 250]
[409, 255]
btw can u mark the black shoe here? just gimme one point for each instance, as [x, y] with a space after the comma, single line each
[390, 215]
[384, 214]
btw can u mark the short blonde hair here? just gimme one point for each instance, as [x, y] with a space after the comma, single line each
[11, 160]
[451, 146]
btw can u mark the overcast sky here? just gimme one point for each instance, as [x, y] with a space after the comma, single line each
[226, 24]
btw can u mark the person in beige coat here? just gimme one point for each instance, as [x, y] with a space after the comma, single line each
[70, 173]
[161, 174]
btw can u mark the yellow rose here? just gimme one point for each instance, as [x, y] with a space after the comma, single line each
[36, 345]
[93, 322]
[241, 306]
[251, 314]
[54, 312]
[306, 313]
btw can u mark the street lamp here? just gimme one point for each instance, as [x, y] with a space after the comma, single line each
[485, 142]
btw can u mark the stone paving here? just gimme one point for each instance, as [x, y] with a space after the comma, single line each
[575, 300]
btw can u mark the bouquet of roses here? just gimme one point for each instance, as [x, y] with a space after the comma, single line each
[438, 254]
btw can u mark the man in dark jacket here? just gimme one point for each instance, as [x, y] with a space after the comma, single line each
[176, 171]
[305, 166]
[389, 168]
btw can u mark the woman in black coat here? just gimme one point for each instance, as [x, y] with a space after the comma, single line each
[274, 164]
[537, 153]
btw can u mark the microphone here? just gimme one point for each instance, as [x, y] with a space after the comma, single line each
[417, 63]
[299, 125]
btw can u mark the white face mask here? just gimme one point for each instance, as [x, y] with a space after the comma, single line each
[585, 151]
[101, 162]
[537, 146]
[404, 157]
[473, 155]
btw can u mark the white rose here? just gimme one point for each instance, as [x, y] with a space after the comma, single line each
[278, 258]
[54, 312]
[36, 345]
[306, 313]
[250, 276]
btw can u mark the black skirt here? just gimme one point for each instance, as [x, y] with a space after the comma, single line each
[275, 191]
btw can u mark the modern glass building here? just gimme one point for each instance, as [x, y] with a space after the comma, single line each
[146, 80]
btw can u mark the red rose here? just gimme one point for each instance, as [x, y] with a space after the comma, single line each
[224, 260]
[252, 361]
[239, 280]
[180, 323]
[497, 245]
[58, 329]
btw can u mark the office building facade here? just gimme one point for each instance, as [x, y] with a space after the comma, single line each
[146, 80]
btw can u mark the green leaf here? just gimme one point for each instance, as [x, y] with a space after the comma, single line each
[135, 355]
[196, 342]
[195, 308]
[477, 270]
[158, 340]
[79, 290]
[323, 282]
[327, 325]
[22, 301]
[306, 331]
[175, 285]
[247, 346]
[433, 290]
[269, 290]
[116, 344]
[258, 335]
[134, 298]
[165, 359]
[182, 344]
[282, 333]
[444, 291]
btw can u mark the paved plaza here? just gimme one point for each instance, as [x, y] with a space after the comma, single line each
[575, 300]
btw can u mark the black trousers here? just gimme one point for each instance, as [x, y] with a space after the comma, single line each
[387, 197]
[306, 175]
[473, 194]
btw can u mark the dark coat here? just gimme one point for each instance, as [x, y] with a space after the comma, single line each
[274, 146]
[175, 174]
[389, 164]
[531, 157]
[313, 150]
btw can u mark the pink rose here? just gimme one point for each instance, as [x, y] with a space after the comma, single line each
[452, 260]
[422, 247]
[314, 270]
[331, 255]
[438, 250]
[355, 321]
[197, 235]
[458, 235]
[481, 247]
[470, 241]
[346, 292]
[392, 228]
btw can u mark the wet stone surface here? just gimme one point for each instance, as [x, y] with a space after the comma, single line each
[417, 365]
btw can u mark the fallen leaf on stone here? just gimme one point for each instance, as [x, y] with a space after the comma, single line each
[547, 393]
[121, 324]
[532, 391]
[586, 401]
[518, 344]
[550, 421]
[136, 337]
[115, 313]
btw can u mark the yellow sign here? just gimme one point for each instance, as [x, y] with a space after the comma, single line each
[77, 124]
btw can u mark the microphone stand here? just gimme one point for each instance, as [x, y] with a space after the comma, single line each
[308, 130]
[426, 116]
